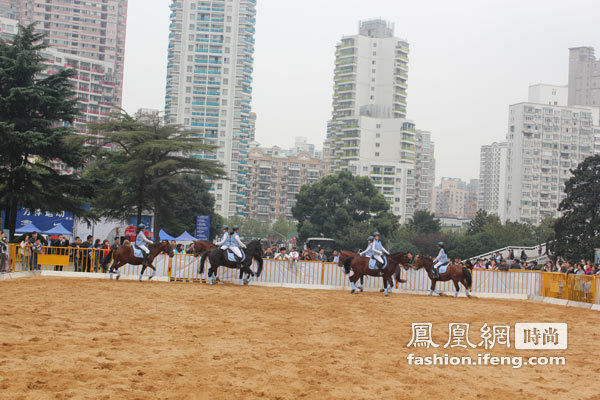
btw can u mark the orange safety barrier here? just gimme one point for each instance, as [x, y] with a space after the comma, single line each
[185, 267]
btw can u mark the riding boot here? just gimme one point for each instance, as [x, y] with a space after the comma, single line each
[380, 266]
[436, 273]
[145, 259]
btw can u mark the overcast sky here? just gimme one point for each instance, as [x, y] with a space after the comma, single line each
[469, 59]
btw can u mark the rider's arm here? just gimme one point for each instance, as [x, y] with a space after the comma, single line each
[147, 240]
[384, 250]
[369, 247]
[237, 239]
[438, 257]
[223, 240]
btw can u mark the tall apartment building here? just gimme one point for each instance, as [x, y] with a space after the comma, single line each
[554, 95]
[252, 129]
[368, 133]
[275, 177]
[209, 86]
[584, 77]
[455, 198]
[544, 143]
[94, 29]
[424, 170]
[492, 179]
[94, 84]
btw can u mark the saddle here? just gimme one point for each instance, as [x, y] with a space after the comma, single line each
[374, 264]
[137, 252]
[233, 258]
[442, 268]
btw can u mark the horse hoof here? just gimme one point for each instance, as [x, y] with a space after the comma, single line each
[118, 276]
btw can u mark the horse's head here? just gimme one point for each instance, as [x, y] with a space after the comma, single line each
[166, 247]
[403, 259]
[254, 248]
[200, 246]
[344, 255]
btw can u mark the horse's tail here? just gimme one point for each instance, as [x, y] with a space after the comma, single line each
[259, 262]
[202, 261]
[468, 277]
[346, 264]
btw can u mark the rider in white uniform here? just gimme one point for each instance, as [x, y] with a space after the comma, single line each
[141, 240]
[224, 243]
[235, 243]
[440, 260]
[369, 250]
[378, 250]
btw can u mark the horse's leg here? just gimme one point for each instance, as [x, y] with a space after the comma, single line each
[142, 271]
[456, 287]
[361, 287]
[153, 271]
[464, 282]
[432, 290]
[241, 276]
[353, 280]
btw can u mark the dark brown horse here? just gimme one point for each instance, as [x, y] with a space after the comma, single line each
[219, 258]
[456, 273]
[202, 246]
[124, 255]
[360, 267]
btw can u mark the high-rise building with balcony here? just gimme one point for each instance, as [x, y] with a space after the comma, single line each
[368, 133]
[424, 170]
[209, 86]
[93, 29]
[544, 143]
[584, 77]
[492, 179]
[275, 177]
[455, 198]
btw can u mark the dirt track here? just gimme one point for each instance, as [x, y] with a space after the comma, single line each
[67, 338]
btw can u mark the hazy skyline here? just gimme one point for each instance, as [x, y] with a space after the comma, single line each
[468, 61]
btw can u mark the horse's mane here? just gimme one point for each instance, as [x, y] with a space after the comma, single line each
[346, 264]
[126, 243]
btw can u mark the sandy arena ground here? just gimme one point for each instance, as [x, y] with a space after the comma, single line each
[70, 338]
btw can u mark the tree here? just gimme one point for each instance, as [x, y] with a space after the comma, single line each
[146, 168]
[577, 231]
[477, 224]
[341, 203]
[193, 199]
[36, 114]
[283, 227]
[250, 228]
[424, 222]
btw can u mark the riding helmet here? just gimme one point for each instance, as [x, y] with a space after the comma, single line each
[376, 234]
[441, 244]
[141, 226]
[236, 228]
[370, 238]
[224, 228]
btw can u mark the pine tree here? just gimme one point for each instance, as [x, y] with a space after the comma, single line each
[36, 114]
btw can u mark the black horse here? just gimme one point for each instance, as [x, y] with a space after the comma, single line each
[219, 258]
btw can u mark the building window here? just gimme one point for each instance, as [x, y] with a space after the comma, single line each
[377, 154]
[377, 144]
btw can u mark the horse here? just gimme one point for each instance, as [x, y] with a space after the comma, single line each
[456, 273]
[218, 257]
[124, 255]
[202, 246]
[360, 266]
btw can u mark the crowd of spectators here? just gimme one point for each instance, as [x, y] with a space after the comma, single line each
[499, 263]
[280, 253]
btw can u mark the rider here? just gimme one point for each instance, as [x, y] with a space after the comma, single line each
[141, 240]
[378, 250]
[369, 250]
[224, 243]
[234, 245]
[440, 260]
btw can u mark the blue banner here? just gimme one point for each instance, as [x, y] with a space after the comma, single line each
[44, 220]
[203, 227]
[146, 220]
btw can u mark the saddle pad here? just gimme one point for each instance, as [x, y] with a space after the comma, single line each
[443, 268]
[137, 252]
[231, 255]
[373, 263]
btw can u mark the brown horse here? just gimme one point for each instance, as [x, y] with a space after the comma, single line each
[360, 267]
[202, 246]
[456, 273]
[124, 255]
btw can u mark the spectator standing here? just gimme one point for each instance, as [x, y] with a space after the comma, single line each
[336, 257]
[61, 243]
[321, 256]
[294, 255]
[96, 254]
[179, 249]
[282, 255]
[26, 254]
[523, 255]
[515, 265]
[268, 253]
[511, 254]
[539, 250]
[77, 256]
[86, 254]
[503, 266]
[4, 260]
[36, 250]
